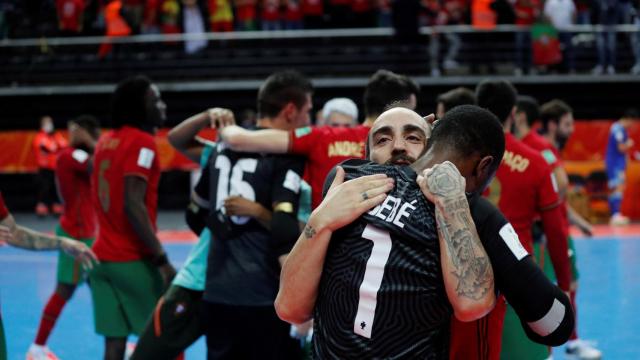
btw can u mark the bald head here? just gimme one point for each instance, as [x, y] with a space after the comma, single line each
[398, 136]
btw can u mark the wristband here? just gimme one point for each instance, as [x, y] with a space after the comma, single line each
[160, 260]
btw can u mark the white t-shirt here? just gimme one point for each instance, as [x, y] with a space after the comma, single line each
[560, 12]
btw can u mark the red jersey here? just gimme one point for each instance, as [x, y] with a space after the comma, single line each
[479, 339]
[546, 149]
[312, 7]
[4, 212]
[523, 186]
[122, 152]
[74, 186]
[325, 147]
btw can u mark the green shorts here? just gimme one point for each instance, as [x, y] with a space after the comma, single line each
[124, 296]
[516, 344]
[175, 324]
[69, 270]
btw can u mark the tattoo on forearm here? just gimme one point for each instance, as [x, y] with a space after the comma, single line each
[470, 266]
[309, 231]
[30, 239]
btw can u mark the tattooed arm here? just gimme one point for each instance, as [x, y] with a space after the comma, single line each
[22, 237]
[302, 270]
[466, 269]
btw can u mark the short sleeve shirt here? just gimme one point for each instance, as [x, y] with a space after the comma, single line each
[120, 153]
[325, 147]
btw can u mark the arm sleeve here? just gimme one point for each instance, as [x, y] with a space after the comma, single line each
[77, 160]
[302, 140]
[543, 309]
[556, 231]
[547, 189]
[285, 197]
[143, 160]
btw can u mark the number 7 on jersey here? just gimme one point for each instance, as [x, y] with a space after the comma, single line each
[373, 274]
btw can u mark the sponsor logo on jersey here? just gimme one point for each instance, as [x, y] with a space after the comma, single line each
[549, 156]
[145, 158]
[515, 162]
[80, 155]
[346, 148]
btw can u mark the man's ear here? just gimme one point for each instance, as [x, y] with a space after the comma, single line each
[483, 169]
[288, 111]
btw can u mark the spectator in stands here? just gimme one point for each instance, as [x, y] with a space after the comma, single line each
[149, 24]
[339, 112]
[452, 98]
[583, 11]
[46, 145]
[618, 147]
[483, 17]
[313, 14]
[270, 17]
[610, 13]
[220, 15]
[292, 15]
[193, 23]
[116, 26]
[134, 10]
[562, 15]
[245, 15]
[170, 16]
[70, 16]
[527, 12]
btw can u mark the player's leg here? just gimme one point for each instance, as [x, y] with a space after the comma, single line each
[222, 326]
[175, 324]
[69, 275]
[275, 342]
[114, 348]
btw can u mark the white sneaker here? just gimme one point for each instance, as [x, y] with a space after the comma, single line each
[37, 352]
[611, 70]
[435, 72]
[618, 219]
[583, 350]
[635, 70]
[598, 70]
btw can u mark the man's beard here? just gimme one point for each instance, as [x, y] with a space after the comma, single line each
[400, 159]
[561, 140]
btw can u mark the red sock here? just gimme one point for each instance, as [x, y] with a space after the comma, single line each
[574, 335]
[49, 317]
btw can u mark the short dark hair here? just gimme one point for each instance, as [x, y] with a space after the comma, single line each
[456, 97]
[384, 88]
[469, 129]
[552, 111]
[497, 96]
[281, 88]
[89, 123]
[128, 106]
[528, 105]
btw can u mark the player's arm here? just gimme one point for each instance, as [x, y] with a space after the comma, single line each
[268, 140]
[184, 137]
[581, 223]
[302, 269]
[135, 189]
[239, 206]
[22, 237]
[544, 310]
[466, 269]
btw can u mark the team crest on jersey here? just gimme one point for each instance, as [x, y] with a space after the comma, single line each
[549, 156]
[300, 132]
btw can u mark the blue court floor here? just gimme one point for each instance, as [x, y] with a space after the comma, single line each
[608, 299]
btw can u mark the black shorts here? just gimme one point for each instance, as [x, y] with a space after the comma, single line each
[247, 332]
[175, 324]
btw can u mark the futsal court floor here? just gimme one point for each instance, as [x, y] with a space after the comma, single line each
[608, 295]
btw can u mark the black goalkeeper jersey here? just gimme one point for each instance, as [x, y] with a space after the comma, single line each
[382, 294]
[242, 265]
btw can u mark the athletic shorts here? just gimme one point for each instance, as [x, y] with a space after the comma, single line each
[480, 339]
[247, 332]
[516, 344]
[175, 324]
[70, 271]
[124, 296]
